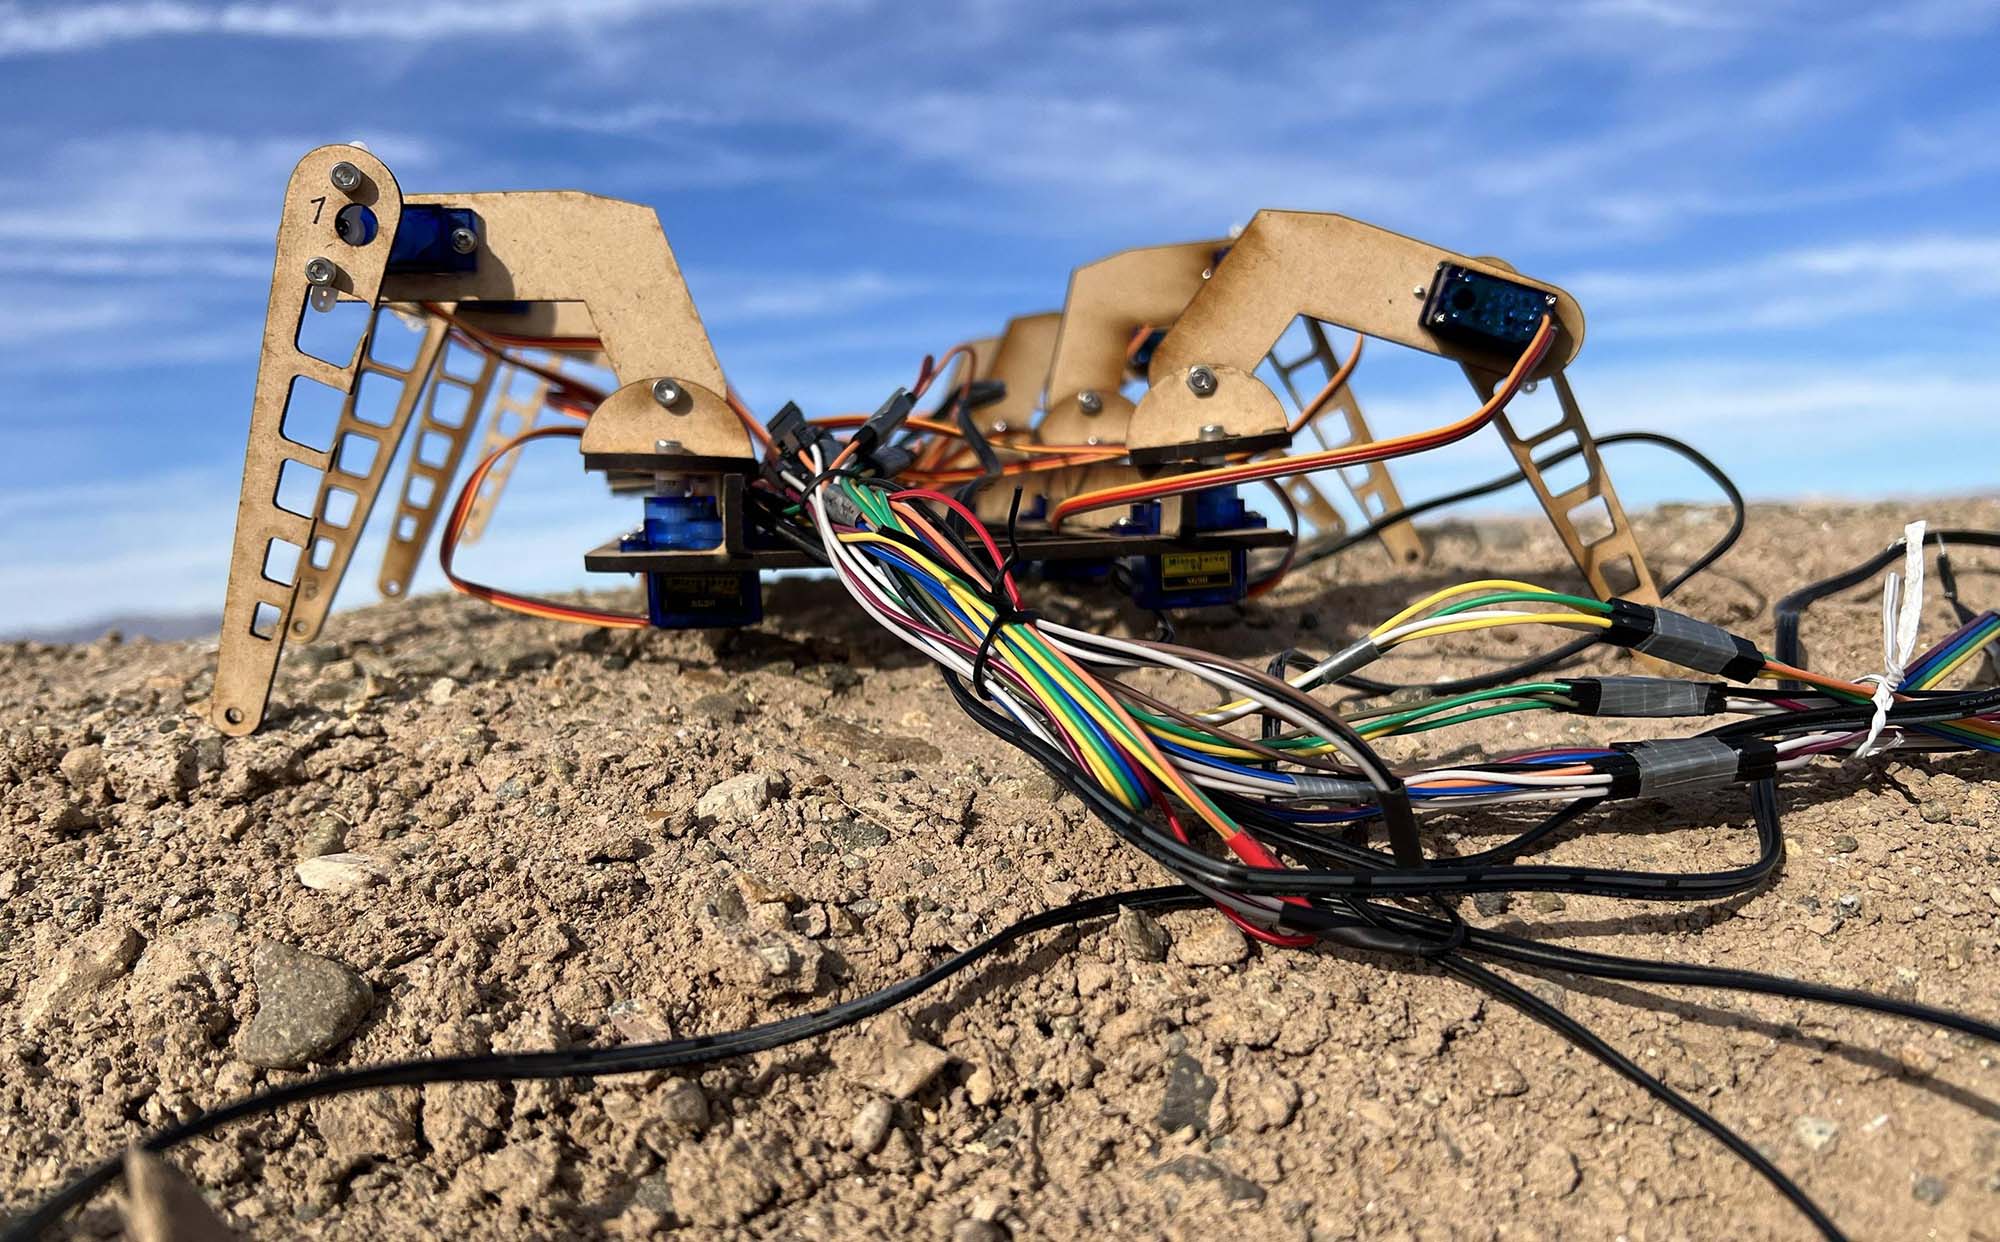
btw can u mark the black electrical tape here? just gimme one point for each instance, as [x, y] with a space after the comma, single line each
[1633, 697]
[1682, 640]
[1682, 763]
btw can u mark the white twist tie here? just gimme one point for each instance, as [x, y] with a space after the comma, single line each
[1902, 616]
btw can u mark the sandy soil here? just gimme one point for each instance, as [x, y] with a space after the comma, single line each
[538, 866]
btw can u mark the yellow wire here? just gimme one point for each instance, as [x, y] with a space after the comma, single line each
[1438, 597]
[1485, 623]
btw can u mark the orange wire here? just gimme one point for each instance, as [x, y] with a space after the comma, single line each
[1312, 408]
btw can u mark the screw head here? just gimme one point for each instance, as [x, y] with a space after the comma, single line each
[668, 392]
[667, 446]
[1093, 441]
[465, 241]
[1201, 381]
[320, 271]
[1418, 291]
[345, 177]
[1549, 299]
[1438, 318]
[1090, 402]
[999, 427]
[1212, 431]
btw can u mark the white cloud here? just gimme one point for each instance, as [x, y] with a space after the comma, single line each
[42, 29]
[726, 297]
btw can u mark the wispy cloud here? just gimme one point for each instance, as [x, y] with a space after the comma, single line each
[41, 29]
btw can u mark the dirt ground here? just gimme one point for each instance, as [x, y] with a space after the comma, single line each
[538, 865]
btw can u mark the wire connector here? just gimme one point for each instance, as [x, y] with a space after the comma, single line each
[1677, 764]
[1644, 696]
[1680, 639]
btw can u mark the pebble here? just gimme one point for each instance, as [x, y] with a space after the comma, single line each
[737, 800]
[684, 1105]
[1142, 934]
[1217, 942]
[1492, 905]
[1845, 844]
[341, 873]
[1500, 1078]
[1817, 1133]
[1191, 1169]
[891, 1059]
[306, 1006]
[1928, 1190]
[441, 691]
[971, 1230]
[1188, 1093]
[80, 969]
[871, 1126]
[325, 835]
[1547, 903]
[1552, 1172]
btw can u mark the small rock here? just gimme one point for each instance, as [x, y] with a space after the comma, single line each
[80, 970]
[684, 1106]
[1217, 942]
[368, 1125]
[325, 835]
[341, 873]
[1915, 1059]
[723, 1181]
[1547, 903]
[441, 691]
[1186, 1099]
[1552, 1172]
[83, 767]
[1817, 1133]
[1845, 844]
[721, 706]
[1142, 934]
[737, 800]
[891, 1059]
[1500, 1078]
[163, 1206]
[871, 1126]
[860, 834]
[1193, 1169]
[1928, 1190]
[971, 1230]
[306, 1006]
[1492, 905]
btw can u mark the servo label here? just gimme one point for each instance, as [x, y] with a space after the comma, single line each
[1188, 571]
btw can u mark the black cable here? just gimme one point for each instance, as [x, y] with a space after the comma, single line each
[1568, 651]
[1791, 610]
[594, 1062]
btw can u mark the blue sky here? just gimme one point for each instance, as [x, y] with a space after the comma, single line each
[1780, 219]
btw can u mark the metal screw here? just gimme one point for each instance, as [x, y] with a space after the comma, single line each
[668, 392]
[999, 426]
[1089, 402]
[320, 271]
[1438, 318]
[1549, 299]
[1201, 381]
[465, 241]
[667, 446]
[1093, 441]
[1212, 431]
[1418, 291]
[345, 177]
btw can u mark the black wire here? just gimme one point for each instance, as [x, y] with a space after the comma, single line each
[1568, 651]
[594, 1062]
[1791, 610]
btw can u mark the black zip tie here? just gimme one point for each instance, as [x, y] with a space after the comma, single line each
[1005, 611]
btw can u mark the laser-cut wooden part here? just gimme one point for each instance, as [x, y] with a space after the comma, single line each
[1179, 422]
[562, 246]
[1375, 492]
[256, 611]
[1021, 361]
[631, 430]
[451, 407]
[1108, 301]
[1609, 542]
[1341, 271]
[514, 403]
[347, 493]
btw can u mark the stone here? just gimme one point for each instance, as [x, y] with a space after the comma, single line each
[1142, 934]
[871, 1126]
[440, 691]
[80, 970]
[1188, 1093]
[1500, 1078]
[723, 1181]
[163, 1206]
[325, 835]
[1492, 905]
[1816, 1133]
[1192, 1170]
[1217, 942]
[1551, 1172]
[83, 767]
[341, 873]
[891, 1059]
[1928, 1190]
[738, 800]
[368, 1125]
[1845, 844]
[307, 1006]
[1547, 903]
[973, 1230]
[684, 1106]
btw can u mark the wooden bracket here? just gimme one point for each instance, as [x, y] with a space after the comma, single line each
[256, 613]
[362, 453]
[509, 413]
[1375, 491]
[451, 408]
[1021, 361]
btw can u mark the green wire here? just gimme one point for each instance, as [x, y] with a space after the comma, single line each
[1539, 597]
[1499, 709]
